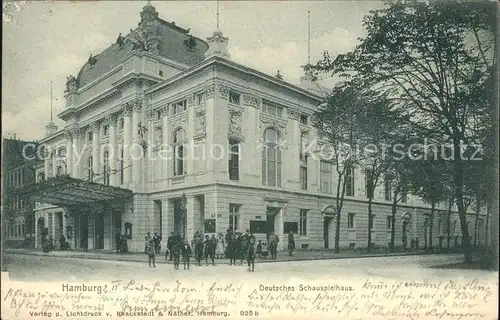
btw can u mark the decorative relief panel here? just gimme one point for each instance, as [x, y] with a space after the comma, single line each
[111, 119]
[177, 120]
[235, 122]
[158, 136]
[274, 122]
[201, 121]
[293, 113]
[251, 100]
[223, 91]
[209, 92]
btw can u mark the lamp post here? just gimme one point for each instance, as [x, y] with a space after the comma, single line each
[183, 205]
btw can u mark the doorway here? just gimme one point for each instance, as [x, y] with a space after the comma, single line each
[84, 229]
[117, 228]
[99, 231]
[328, 232]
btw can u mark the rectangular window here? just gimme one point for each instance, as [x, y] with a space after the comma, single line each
[121, 124]
[349, 186]
[388, 224]
[234, 159]
[200, 98]
[326, 175]
[303, 172]
[158, 114]
[387, 188]
[179, 107]
[440, 227]
[272, 109]
[105, 130]
[89, 136]
[234, 97]
[350, 220]
[303, 222]
[234, 214]
[303, 119]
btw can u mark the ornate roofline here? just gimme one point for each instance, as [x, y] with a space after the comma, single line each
[231, 64]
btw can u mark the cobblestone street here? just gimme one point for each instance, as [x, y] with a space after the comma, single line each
[34, 268]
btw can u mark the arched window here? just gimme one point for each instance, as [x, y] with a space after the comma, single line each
[105, 170]
[121, 166]
[90, 172]
[179, 168]
[271, 159]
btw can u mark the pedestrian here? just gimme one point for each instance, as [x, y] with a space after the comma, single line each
[147, 237]
[244, 239]
[157, 242]
[227, 238]
[186, 254]
[273, 246]
[251, 254]
[206, 248]
[118, 238]
[176, 253]
[221, 246]
[171, 240]
[232, 249]
[291, 243]
[151, 252]
[198, 248]
[258, 251]
[212, 247]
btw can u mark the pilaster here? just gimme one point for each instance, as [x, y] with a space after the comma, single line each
[113, 153]
[127, 143]
[96, 144]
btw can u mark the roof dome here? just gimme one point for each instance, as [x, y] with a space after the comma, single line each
[171, 42]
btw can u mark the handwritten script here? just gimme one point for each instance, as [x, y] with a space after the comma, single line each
[366, 299]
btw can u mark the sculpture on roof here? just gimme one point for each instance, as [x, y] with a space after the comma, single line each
[146, 41]
[71, 84]
[278, 76]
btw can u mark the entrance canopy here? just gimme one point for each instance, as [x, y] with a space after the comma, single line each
[65, 191]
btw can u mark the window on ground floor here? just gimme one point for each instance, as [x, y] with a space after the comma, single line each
[303, 222]
[388, 224]
[234, 215]
[350, 220]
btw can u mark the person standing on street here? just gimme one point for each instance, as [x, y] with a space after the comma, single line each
[151, 252]
[157, 242]
[171, 240]
[176, 253]
[251, 254]
[291, 243]
[232, 249]
[198, 248]
[186, 254]
[221, 245]
[147, 238]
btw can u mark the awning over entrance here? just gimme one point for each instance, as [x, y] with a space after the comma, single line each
[66, 191]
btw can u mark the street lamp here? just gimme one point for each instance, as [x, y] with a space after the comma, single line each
[183, 205]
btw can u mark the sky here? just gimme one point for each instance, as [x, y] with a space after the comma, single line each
[46, 41]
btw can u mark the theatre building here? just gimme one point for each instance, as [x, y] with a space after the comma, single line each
[165, 133]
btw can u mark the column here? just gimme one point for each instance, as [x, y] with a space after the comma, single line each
[113, 153]
[136, 147]
[46, 164]
[76, 153]
[165, 154]
[127, 142]
[96, 150]
[69, 152]
[278, 227]
[54, 162]
[151, 160]
[190, 135]
[190, 216]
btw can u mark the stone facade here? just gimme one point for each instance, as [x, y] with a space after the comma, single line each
[200, 132]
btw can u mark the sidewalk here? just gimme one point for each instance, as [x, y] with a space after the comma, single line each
[141, 257]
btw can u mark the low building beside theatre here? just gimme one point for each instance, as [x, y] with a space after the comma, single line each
[165, 133]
